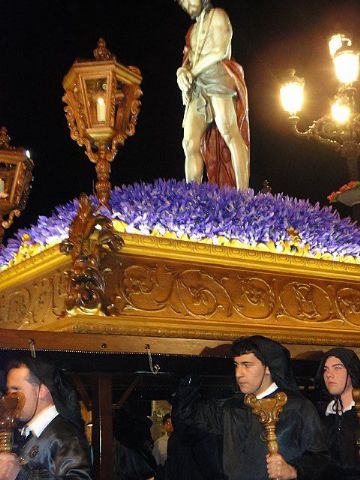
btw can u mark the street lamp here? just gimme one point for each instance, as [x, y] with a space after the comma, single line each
[102, 105]
[15, 180]
[341, 127]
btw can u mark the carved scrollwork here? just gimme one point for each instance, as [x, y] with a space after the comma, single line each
[91, 236]
[305, 302]
[38, 302]
[200, 294]
[17, 307]
[348, 302]
[126, 108]
[76, 119]
[42, 296]
[189, 292]
[147, 288]
[254, 298]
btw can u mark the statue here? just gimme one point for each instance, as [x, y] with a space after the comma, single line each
[216, 126]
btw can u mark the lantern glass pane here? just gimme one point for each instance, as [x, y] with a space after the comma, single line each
[7, 176]
[96, 93]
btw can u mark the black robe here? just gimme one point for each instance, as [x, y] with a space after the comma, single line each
[60, 452]
[193, 457]
[299, 433]
[341, 433]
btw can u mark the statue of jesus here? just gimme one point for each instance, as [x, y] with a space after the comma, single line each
[216, 126]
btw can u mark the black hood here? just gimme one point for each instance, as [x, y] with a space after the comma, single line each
[276, 357]
[348, 358]
[64, 396]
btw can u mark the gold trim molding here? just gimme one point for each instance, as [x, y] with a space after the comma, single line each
[180, 289]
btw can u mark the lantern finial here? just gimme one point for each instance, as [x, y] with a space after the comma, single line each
[101, 53]
[4, 138]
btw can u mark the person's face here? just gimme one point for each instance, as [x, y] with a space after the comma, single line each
[336, 379]
[17, 381]
[168, 426]
[251, 374]
[192, 7]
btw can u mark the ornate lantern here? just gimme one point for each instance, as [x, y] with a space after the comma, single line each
[15, 179]
[102, 104]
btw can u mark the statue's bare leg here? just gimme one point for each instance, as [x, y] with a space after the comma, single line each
[226, 122]
[194, 127]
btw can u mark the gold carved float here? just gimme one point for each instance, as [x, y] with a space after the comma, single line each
[161, 287]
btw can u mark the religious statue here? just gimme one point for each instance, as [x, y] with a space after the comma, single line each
[216, 126]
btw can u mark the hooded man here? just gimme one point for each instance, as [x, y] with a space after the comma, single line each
[262, 367]
[54, 444]
[338, 374]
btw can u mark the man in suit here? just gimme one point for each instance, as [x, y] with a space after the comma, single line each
[55, 446]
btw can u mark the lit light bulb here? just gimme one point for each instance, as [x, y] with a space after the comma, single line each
[340, 112]
[27, 153]
[337, 41]
[292, 96]
[347, 66]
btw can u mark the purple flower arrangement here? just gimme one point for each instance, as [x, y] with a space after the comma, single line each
[205, 211]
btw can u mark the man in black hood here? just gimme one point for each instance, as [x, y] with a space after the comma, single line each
[262, 367]
[54, 445]
[338, 374]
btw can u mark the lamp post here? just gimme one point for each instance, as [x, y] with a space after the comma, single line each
[15, 180]
[341, 127]
[102, 105]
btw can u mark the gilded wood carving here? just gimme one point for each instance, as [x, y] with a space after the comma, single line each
[199, 291]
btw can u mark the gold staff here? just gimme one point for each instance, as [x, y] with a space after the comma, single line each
[268, 410]
[356, 397]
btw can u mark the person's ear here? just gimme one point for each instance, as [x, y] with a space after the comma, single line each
[267, 371]
[43, 391]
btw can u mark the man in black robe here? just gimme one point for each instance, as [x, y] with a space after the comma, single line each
[55, 446]
[338, 373]
[262, 367]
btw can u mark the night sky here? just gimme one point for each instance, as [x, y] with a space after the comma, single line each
[41, 39]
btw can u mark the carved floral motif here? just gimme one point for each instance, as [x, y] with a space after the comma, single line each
[147, 291]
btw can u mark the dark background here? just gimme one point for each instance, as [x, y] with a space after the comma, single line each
[41, 39]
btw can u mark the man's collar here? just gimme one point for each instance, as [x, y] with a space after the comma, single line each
[330, 408]
[38, 424]
[268, 391]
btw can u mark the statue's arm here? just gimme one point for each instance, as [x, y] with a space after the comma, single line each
[220, 35]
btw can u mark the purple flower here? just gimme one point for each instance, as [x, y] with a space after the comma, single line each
[207, 211]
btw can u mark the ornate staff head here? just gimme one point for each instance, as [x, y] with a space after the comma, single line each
[11, 406]
[268, 411]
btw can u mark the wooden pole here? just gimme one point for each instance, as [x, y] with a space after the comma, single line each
[103, 427]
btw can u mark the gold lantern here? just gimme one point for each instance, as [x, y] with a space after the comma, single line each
[102, 105]
[15, 180]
